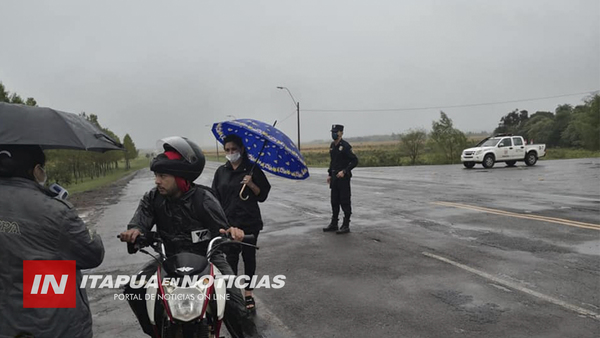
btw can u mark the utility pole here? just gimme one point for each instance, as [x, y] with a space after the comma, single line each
[297, 104]
[298, 111]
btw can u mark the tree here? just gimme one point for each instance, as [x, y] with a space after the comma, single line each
[413, 142]
[562, 117]
[14, 98]
[449, 140]
[3, 94]
[539, 127]
[130, 151]
[584, 126]
[93, 118]
[513, 122]
[31, 102]
[591, 133]
[6, 96]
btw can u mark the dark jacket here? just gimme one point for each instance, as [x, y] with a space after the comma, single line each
[226, 184]
[342, 158]
[175, 219]
[36, 226]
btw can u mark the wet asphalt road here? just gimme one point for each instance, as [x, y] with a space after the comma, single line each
[435, 251]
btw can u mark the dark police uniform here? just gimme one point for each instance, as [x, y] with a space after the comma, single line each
[342, 159]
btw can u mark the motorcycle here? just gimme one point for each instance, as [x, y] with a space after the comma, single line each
[189, 294]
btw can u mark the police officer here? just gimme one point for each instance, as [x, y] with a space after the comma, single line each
[342, 162]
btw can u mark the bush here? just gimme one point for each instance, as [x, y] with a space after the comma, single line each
[567, 153]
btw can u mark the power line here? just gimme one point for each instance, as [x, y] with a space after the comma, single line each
[287, 117]
[449, 106]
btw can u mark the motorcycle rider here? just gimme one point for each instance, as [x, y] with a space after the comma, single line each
[177, 207]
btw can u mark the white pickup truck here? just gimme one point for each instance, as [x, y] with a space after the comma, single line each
[502, 148]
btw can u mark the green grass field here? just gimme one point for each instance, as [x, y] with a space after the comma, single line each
[371, 154]
[567, 153]
[136, 164]
[389, 153]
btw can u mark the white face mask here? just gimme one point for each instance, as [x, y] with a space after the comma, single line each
[42, 182]
[234, 157]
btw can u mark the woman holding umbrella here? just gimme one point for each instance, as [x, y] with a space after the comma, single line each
[241, 208]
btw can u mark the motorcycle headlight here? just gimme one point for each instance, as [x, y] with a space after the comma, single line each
[186, 310]
[185, 303]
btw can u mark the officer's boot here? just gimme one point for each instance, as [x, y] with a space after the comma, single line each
[333, 226]
[345, 226]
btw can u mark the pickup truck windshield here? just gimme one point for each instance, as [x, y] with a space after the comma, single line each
[491, 142]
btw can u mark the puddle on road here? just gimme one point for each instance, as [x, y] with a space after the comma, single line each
[589, 248]
[84, 214]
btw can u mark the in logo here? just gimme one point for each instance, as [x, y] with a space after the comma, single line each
[49, 284]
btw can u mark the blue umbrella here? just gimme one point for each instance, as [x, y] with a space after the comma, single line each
[280, 156]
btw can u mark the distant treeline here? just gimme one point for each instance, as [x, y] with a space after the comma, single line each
[568, 127]
[73, 166]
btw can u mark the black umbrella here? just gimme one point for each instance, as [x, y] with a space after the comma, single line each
[51, 129]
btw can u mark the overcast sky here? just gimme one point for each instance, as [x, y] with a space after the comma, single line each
[161, 68]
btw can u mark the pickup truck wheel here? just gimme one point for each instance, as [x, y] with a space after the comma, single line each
[469, 165]
[488, 161]
[511, 163]
[531, 158]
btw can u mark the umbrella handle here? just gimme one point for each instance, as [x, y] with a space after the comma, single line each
[242, 193]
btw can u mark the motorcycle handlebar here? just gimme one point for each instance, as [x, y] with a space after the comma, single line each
[141, 241]
[246, 239]
[149, 238]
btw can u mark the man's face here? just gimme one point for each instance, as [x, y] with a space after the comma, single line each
[165, 184]
[335, 134]
[39, 173]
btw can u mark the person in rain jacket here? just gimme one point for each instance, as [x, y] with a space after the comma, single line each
[36, 225]
[244, 214]
[179, 207]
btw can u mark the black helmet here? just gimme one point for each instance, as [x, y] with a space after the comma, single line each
[191, 164]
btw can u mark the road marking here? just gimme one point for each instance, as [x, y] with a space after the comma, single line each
[518, 287]
[524, 216]
[579, 197]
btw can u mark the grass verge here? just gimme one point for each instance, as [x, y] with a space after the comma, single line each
[136, 164]
[568, 153]
[389, 153]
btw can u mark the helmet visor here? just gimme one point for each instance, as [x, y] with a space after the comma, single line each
[181, 145]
